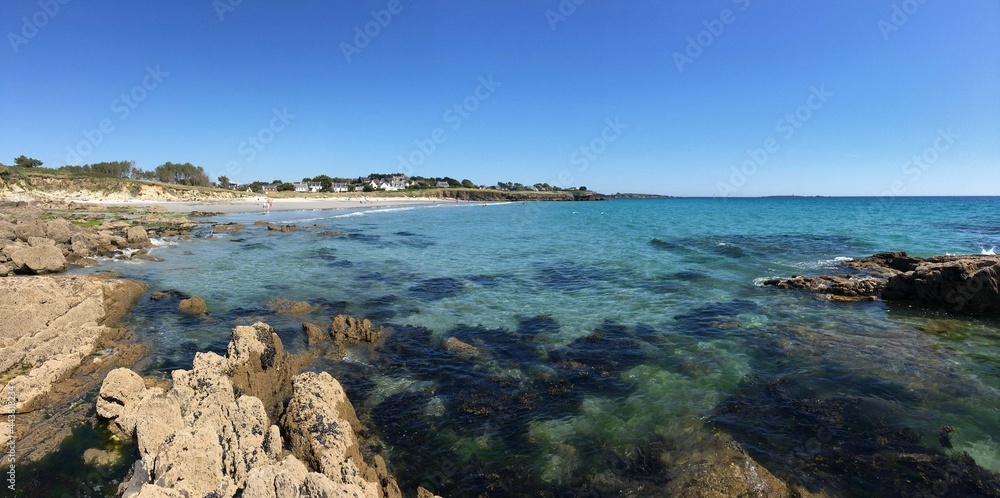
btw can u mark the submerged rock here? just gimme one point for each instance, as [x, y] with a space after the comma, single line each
[287, 307]
[193, 305]
[843, 445]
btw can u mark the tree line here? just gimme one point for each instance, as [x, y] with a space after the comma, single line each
[168, 172]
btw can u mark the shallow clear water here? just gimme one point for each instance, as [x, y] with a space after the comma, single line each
[608, 330]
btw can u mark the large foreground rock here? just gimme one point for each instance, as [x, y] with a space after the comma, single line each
[57, 342]
[206, 437]
[961, 284]
[39, 259]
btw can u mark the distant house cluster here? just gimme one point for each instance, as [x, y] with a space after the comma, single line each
[307, 186]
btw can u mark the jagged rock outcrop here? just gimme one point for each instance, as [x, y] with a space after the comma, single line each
[347, 329]
[961, 284]
[320, 423]
[207, 436]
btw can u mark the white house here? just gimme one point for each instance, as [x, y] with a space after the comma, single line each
[301, 186]
[338, 187]
[442, 185]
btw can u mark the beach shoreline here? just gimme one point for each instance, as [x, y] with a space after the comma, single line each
[256, 204]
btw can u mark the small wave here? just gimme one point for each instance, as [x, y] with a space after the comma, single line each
[823, 263]
[348, 215]
[158, 242]
[991, 252]
[759, 281]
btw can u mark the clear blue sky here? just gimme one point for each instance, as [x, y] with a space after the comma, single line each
[890, 87]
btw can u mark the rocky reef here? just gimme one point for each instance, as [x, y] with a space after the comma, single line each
[960, 284]
[211, 433]
[33, 244]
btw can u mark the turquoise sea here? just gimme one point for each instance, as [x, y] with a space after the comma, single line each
[617, 339]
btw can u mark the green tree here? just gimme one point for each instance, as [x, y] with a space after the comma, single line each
[468, 184]
[118, 169]
[582, 188]
[27, 162]
[224, 181]
[368, 188]
[286, 187]
[182, 174]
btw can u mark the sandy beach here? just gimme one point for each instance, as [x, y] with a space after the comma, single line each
[256, 204]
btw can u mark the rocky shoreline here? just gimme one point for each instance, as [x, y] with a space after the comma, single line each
[255, 422]
[959, 284]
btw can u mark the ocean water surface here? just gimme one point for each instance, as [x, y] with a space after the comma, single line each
[618, 340]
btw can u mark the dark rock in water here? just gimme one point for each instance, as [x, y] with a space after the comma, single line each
[381, 301]
[961, 284]
[504, 346]
[485, 280]
[167, 294]
[608, 351]
[713, 320]
[843, 445]
[843, 288]
[540, 324]
[666, 245]
[365, 237]
[437, 288]
[405, 234]
[885, 263]
[570, 276]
